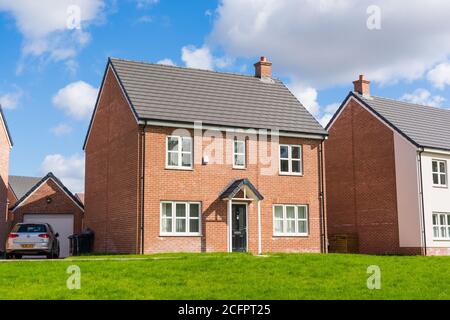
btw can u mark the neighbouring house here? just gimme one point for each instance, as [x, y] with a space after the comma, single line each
[387, 176]
[177, 160]
[46, 200]
[5, 147]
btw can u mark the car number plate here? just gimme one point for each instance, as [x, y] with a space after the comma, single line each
[27, 245]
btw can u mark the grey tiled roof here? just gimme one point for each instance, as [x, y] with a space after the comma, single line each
[426, 126]
[159, 92]
[21, 185]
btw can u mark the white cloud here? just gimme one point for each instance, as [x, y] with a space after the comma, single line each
[11, 100]
[200, 58]
[439, 76]
[76, 99]
[167, 62]
[145, 19]
[307, 96]
[70, 170]
[61, 129]
[142, 4]
[423, 97]
[46, 25]
[328, 112]
[325, 119]
[327, 42]
[332, 108]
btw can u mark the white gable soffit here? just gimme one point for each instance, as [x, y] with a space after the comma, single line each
[42, 183]
[373, 114]
[5, 130]
[162, 123]
[109, 68]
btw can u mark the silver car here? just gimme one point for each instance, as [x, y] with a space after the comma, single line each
[32, 239]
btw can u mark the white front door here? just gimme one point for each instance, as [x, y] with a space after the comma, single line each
[61, 223]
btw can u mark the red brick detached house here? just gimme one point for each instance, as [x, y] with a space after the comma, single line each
[5, 147]
[46, 200]
[177, 160]
[387, 176]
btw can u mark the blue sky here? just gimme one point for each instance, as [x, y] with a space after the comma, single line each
[49, 73]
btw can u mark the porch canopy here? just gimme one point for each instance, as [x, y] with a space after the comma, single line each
[249, 191]
[232, 193]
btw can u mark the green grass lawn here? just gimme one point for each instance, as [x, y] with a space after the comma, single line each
[229, 276]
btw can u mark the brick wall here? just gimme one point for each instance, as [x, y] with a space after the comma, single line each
[361, 181]
[112, 151]
[205, 182]
[61, 204]
[4, 163]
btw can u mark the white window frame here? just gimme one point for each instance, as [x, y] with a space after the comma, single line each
[180, 153]
[440, 226]
[235, 153]
[297, 219]
[439, 173]
[289, 159]
[188, 218]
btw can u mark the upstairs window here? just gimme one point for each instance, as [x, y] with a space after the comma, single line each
[179, 152]
[239, 154]
[291, 159]
[439, 168]
[441, 226]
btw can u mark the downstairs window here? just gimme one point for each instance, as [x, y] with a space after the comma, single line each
[180, 218]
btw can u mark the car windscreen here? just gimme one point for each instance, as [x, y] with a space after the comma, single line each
[30, 228]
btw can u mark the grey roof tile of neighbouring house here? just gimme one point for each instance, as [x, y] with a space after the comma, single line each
[427, 127]
[20, 185]
[168, 93]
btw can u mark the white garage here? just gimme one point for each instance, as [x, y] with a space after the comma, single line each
[61, 223]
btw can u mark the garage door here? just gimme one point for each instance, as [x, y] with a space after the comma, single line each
[61, 223]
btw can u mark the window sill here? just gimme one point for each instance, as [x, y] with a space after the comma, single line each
[290, 174]
[441, 240]
[180, 235]
[239, 168]
[286, 235]
[179, 169]
[439, 186]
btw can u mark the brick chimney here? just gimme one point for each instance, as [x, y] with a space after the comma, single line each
[362, 86]
[263, 68]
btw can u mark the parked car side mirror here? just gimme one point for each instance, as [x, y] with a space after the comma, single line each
[57, 235]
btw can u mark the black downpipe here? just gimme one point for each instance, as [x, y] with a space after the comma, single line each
[423, 204]
[142, 184]
[322, 200]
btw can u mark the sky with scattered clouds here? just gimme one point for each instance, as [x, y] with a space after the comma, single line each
[54, 53]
